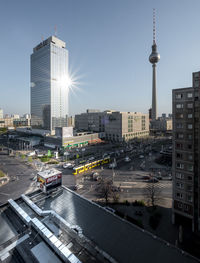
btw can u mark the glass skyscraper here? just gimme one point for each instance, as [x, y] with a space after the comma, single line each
[49, 84]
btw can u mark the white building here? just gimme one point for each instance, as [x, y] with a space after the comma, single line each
[1, 113]
[49, 84]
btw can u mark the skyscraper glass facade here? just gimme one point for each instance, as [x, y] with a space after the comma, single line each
[49, 90]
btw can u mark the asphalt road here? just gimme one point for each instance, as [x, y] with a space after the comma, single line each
[20, 178]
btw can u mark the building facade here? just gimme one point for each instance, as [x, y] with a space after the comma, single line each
[71, 121]
[186, 145]
[162, 124]
[1, 113]
[117, 126]
[49, 84]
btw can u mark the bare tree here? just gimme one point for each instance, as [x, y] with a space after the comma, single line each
[152, 193]
[105, 189]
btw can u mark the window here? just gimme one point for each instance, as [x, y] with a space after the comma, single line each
[189, 126]
[189, 188]
[189, 178]
[179, 96]
[189, 198]
[190, 168]
[179, 135]
[180, 165]
[179, 106]
[179, 146]
[190, 105]
[190, 95]
[179, 115]
[189, 146]
[179, 155]
[179, 185]
[180, 205]
[179, 176]
[190, 136]
[179, 195]
[189, 115]
[179, 125]
[190, 157]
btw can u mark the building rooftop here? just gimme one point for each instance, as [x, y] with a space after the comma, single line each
[89, 232]
[48, 173]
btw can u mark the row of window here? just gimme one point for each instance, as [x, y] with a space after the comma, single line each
[180, 115]
[181, 105]
[188, 167]
[135, 134]
[181, 185]
[181, 126]
[179, 146]
[180, 196]
[182, 136]
[180, 156]
[180, 95]
[183, 176]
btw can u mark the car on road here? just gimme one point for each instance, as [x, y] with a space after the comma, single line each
[67, 165]
[127, 159]
[91, 158]
[112, 165]
[153, 180]
[31, 154]
[141, 156]
[146, 177]
[110, 209]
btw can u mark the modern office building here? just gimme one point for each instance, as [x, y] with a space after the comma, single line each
[49, 84]
[117, 126]
[153, 59]
[186, 157]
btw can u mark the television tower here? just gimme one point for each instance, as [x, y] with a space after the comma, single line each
[154, 58]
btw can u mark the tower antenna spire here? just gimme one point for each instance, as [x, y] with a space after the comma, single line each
[55, 30]
[154, 26]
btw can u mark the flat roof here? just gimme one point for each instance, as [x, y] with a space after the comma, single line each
[122, 240]
[48, 173]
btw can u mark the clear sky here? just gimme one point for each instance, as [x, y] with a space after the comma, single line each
[109, 42]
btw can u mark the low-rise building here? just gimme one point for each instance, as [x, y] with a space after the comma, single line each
[162, 124]
[70, 142]
[1, 113]
[21, 122]
[6, 122]
[117, 126]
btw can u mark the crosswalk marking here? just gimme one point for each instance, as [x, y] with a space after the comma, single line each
[141, 184]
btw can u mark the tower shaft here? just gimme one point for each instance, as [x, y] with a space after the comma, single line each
[154, 95]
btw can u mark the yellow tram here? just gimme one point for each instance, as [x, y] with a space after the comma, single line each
[87, 166]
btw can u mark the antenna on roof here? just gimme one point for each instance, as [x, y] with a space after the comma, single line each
[55, 30]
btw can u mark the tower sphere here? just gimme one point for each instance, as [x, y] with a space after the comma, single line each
[155, 56]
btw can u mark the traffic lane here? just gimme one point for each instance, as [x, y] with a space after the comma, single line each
[20, 178]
